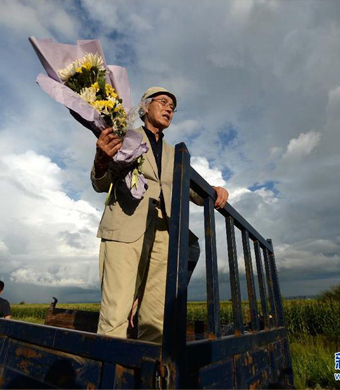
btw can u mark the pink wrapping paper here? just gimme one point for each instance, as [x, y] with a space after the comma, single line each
[56, 56]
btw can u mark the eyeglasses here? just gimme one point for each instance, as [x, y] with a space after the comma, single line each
[164, 103]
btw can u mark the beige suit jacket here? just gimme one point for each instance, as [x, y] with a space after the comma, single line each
[125, 219]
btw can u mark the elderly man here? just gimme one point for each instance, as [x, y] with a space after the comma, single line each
[135, 234]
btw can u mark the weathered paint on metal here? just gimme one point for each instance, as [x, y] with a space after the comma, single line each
[255, 326]
[216, 375]
[126, 378]
[234, 277]
[89, 345]
[107, 379]
[148, 373]
[48, 367]
[276, 287]
[72, 319]
[272, 316]
[174, 335]
[213, 297]
[261, 280]
[203, 352]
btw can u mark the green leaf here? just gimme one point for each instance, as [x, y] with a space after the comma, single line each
[101, 83]
[134, 178]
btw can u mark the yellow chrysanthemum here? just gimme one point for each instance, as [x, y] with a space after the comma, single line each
[87, 65]
[110, 91]
[121, 122]
[103, 106]
[121, 111]
[97, 105]
[117, 108]
[95, 86]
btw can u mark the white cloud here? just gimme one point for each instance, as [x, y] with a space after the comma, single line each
[321, 246]
[241, 9]
[334, 95]
[42, 226]
[19, 17]
[66, 276]
[3, 248]
[41, 175]
[140, 23]
[212, 175]
[45, 18]
[293, 263]
[106, 14]
[302, 146]
[181, 131]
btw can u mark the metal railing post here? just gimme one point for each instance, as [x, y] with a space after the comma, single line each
[250, 281]
[213, 296]
[260, 274]
[175, 312]
[234, 277]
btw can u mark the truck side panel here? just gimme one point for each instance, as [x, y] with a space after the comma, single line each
[36, 356]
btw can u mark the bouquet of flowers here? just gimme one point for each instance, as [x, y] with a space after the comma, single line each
[86, 76]
[79, 78]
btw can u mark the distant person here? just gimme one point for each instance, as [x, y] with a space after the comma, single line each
[5, 308]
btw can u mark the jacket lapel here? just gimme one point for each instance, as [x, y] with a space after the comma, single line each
[149, 154]
[166, 160]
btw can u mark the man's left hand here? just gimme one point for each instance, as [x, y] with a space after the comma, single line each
[222, 197]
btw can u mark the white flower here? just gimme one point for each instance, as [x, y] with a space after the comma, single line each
[88, 61]
[69, 71]
[94, 60]
[114, 125]
[88, 94]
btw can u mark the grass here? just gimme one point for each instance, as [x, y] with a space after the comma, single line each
[313, 362]
[36, 312]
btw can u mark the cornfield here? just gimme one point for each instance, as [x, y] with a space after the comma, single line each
[37, 312]
[301, 317]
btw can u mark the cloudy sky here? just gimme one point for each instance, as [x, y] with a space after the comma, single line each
[258, 87]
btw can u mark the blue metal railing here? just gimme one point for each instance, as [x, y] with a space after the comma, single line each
[174, 349]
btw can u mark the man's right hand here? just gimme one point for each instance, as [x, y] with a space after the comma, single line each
[107, 145]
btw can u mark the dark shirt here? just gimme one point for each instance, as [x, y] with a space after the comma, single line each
[157, 147]
[5, 308]
[194, 247]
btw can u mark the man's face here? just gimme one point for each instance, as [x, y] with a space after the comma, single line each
[160, 111]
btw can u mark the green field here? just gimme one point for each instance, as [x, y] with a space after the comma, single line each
[313, 329]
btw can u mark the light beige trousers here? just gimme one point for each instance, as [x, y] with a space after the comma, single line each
[126, 269]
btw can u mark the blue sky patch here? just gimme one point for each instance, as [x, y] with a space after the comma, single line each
[268, 185]
[227, 135]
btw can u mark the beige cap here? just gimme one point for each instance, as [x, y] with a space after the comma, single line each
[159, 90]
